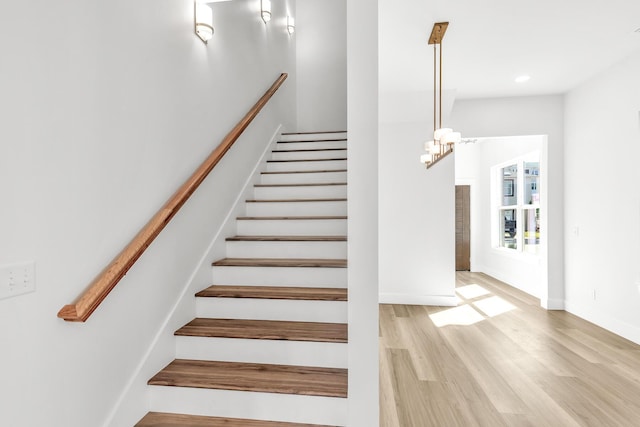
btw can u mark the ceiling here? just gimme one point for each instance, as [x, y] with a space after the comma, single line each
[559, 43]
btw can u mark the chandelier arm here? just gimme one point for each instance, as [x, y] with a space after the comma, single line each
[440, 109]
[434, 89]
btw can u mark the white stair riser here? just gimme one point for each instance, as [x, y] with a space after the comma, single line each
[310, 145]
[251, 405]
[333, 208]
[281, 276]
[281, 249]
[297, 353]
[308, 154]
[313, 136]
[303, 178]
[269, 309]
[307, 166]
[301, 192]
[294, 227]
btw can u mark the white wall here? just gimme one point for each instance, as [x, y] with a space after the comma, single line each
[416, 206]
[473, 167]
[106, 109]
[602, 210]
[537, 115]
[321, 33]
[362, 72]
[416, 225]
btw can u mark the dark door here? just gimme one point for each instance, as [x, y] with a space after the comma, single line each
[463, 235]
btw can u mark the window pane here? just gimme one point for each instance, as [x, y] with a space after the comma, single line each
[509, 185]
[508, 229]
[532, 230]
[531, 183]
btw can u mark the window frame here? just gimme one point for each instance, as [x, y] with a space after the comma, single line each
[521, 206]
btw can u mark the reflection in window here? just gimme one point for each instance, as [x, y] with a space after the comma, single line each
[509, 185]
[508, 228]
[518, 204]
[531, 230]
[531, 183]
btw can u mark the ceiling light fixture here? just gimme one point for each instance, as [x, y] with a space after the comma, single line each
[265, 10]
[203, 19]
[523, 78]
[291, 25]
[443, 138]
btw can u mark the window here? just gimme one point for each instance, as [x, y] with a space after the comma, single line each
[517, 206]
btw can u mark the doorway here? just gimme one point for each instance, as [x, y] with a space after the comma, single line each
[463, 228]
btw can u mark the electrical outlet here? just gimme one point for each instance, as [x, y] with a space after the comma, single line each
[17, 279]
[594, 294]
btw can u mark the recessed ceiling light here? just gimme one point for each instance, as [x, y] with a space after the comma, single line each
[523, 78]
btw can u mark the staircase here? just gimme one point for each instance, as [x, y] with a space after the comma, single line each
[269, 345]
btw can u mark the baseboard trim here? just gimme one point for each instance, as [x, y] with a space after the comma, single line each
[552, 304]
[506, 278]
[412, 299]
[604, 320]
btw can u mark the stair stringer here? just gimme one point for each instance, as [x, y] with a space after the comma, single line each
[133, 402]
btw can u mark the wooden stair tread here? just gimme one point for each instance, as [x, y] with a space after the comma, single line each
[308, 150]
[293, 200]
[314, 184]
[312, 171]
[281, 262]
[306, 160]
[314, 133]
[163, 419]
[287, 239]
[274, 292]
[314, 140]
[265, 330]
[278, 218]
[256, 377]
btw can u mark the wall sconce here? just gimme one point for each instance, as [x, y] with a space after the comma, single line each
[291, 25]
[203, 18]
[265, 10]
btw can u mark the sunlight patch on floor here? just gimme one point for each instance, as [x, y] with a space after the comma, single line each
[494, 306]
[463, 315]
[472, 291]
[475, 304]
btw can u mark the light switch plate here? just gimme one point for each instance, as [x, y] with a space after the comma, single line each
[17, 279]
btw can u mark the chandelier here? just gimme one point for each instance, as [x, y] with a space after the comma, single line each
[443, 138]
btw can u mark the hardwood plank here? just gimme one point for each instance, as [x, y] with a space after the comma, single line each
[313, 133]
[323, 184]
[302, 380]
[265, 330]
[306, 160]
[281, 262]
[502, 360]
[311, 171]
[314, 140]
[274, 292]
[160, 419]
[309, 150]
[287, 239]
[277, 218]
[293, 200]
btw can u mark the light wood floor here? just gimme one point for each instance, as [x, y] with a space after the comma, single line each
[498, 359]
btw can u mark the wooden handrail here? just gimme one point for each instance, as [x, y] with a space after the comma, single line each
[111, 275]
